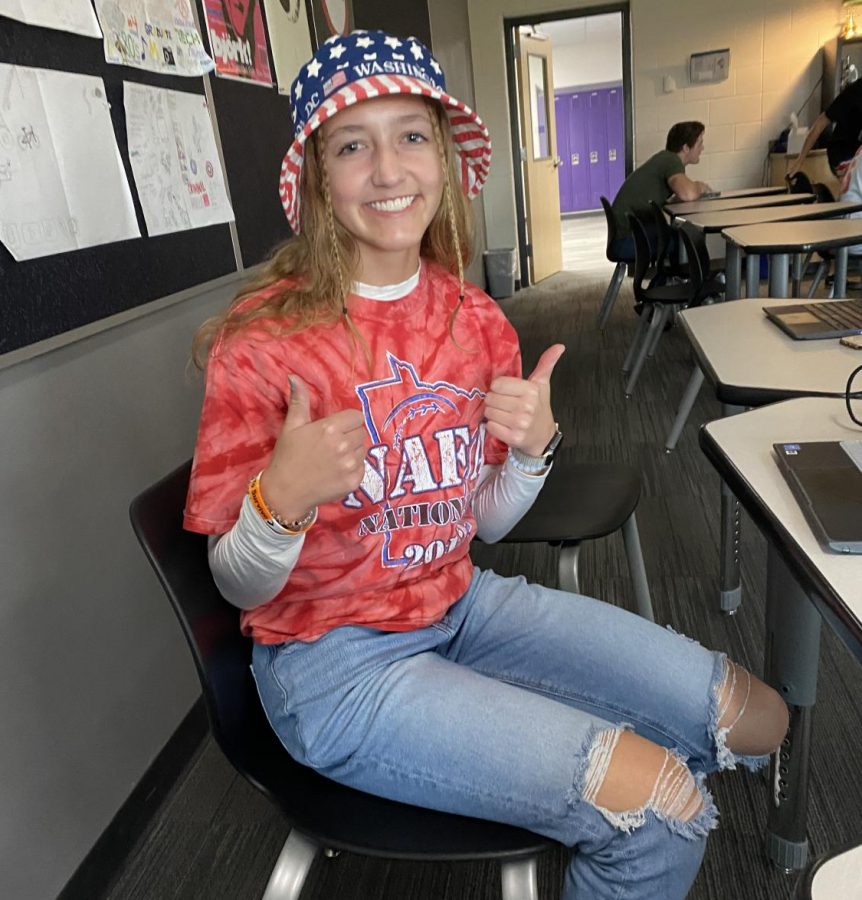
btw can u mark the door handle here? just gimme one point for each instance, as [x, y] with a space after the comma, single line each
[612, 155]
[576, 159]
[594, 156]
[557, 162]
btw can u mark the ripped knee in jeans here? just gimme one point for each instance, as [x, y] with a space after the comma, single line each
[627, 776]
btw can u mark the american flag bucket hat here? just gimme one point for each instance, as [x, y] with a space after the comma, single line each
[365, 64]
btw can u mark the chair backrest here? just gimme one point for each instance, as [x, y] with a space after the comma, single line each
[799, 183]
[664, 238]
[822, 192]
[612, 227]
[210, 624]
[699, 263]
[643, 254]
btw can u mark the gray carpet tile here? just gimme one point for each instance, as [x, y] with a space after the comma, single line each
[215, 837]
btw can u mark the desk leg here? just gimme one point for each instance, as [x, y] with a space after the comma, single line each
[752, 275]
[779, 272]
[792, 654]
[733, 272]
[730, 587]
[840, 288]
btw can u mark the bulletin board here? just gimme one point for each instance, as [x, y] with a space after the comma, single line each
[46, 297]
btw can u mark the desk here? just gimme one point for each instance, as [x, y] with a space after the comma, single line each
[701, 206]
[837, 874]
[762, 191]
[804, 583]
[713, 222]
[751, 362]
[780, 240]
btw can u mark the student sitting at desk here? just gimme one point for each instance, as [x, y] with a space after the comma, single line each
[660, 176]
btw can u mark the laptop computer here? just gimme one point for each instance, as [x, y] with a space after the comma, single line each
[816, 321]
[826, 479]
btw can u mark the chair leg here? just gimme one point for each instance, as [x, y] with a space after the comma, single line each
[655, 325]
[819, 272]
[291, 868]
[520, 879]
[685, 406]
[567, 568]
[611, 294]
[637, 568]
[666, 312]
[643, 324]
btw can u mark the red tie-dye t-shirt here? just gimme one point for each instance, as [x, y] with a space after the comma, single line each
[393, 553]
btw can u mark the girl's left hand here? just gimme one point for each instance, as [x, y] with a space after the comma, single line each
[518, 410]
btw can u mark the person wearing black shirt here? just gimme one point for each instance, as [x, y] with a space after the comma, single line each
[846, 112]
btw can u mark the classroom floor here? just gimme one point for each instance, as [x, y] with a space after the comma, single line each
[215, 837]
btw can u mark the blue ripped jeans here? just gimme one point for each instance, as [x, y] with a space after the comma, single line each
[493, 712]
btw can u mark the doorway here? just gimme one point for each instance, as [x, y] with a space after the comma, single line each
[588, 145]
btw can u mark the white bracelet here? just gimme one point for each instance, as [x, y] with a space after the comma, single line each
[529, 465]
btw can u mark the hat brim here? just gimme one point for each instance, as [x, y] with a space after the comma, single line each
[469, 134]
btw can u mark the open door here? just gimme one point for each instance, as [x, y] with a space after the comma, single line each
[539, 155]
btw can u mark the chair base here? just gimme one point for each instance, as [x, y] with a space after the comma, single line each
[519, 877]
[291, 867]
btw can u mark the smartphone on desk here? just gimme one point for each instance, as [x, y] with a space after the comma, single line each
[854, 341]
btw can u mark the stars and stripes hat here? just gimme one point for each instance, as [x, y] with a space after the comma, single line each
[365, 64]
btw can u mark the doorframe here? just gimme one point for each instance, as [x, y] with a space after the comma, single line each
[510, 23]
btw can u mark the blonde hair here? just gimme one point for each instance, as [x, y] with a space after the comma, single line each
[320, 263]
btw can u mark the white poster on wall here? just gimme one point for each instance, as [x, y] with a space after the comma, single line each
[158, 35]
[76, 16]
[62, 182]
[174, 159]
[289, 39]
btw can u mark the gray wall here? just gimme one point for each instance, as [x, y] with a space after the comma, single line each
[94, 675]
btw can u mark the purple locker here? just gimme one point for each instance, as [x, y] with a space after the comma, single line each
[578, 156]
[616, 141]
[598, 146]
[564, 172]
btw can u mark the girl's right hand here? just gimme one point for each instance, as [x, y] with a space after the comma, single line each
[313, 462]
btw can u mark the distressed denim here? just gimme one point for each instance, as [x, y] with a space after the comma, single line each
[500, 711]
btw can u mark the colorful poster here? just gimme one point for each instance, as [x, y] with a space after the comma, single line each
[76, 16]
[331, 17]
[62, 182]
[289, 37]
[174, 159]
[158, 35]
[238, 40]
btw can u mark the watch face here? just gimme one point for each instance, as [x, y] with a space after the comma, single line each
[337, 17]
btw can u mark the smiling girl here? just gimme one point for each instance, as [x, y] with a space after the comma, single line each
[365, 417]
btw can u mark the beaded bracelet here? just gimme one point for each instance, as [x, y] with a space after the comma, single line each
[272, 518]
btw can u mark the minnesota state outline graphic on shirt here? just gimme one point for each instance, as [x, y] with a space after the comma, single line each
[427, 449]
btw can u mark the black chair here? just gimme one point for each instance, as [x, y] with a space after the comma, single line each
[662, 301]
[800, 183]
[321, 813]
[622, 265]
[581, 502]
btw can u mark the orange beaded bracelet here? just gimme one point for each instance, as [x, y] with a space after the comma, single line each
[272, 518]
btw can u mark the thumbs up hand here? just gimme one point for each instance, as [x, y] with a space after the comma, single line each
[314, 461]
[518, 410]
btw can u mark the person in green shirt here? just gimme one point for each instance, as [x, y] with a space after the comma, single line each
[662, 175]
